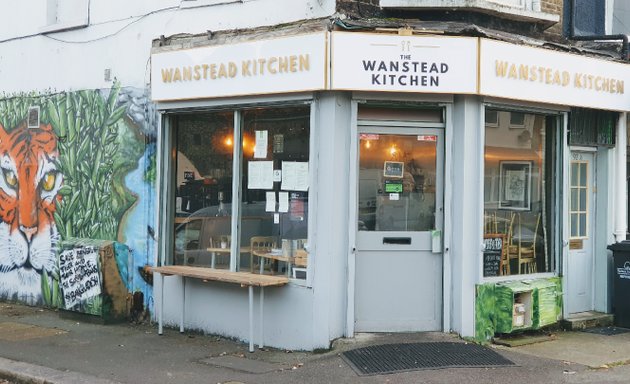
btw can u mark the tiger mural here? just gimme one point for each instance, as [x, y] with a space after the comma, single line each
[29, 185]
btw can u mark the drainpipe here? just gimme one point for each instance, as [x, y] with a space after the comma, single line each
[572, 36]
[620, 178]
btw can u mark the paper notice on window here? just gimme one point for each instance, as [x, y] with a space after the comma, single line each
[260, 150]
[294, 176]
[271, 202]
[283, 202]
[260, 175]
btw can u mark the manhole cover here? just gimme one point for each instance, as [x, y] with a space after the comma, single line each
[391, 358]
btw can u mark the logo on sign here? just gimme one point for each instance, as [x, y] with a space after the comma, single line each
[427, 138]
[624, 272]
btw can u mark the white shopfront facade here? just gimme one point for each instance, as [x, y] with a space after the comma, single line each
[368, 150]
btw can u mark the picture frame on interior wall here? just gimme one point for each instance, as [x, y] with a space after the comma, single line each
[515, 185]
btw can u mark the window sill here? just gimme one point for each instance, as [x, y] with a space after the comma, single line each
[483, 6]
[531, 276]
[65, 26]
[207, 3]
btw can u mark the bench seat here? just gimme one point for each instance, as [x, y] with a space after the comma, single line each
[244, 279]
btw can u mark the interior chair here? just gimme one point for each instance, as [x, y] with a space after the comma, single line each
[498, 226]
[299, 261]
[527, 248]
[261, 244]
[490, 222]
[511, 247]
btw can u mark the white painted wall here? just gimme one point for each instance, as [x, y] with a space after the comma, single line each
[119, 37]
[466, 175]
[223, 309]
[604, 228]
[331, 232]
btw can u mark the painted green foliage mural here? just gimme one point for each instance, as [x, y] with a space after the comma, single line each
[494, 306]
[68, 177]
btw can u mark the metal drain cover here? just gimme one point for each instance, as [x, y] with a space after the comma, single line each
[391, 358]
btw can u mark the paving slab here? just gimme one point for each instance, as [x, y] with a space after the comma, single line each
[134, 353]
[24, 373]
[591, 350]
[241, 363]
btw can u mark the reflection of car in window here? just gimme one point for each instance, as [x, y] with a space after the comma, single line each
[187, 235]
[202, 229]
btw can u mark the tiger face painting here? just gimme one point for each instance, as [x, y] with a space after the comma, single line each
[29, 183]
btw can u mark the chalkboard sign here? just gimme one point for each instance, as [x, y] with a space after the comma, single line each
[492, 251]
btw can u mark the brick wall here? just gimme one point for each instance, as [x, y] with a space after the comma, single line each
[555, 7]
[371, 8]
[359, 8]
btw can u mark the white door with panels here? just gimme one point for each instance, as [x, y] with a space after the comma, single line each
[580, 263]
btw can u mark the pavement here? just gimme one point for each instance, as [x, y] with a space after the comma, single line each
[41, 346]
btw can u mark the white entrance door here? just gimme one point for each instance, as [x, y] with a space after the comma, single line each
[580, 264]
[398, 280]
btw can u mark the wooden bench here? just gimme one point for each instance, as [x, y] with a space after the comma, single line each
[244, 279]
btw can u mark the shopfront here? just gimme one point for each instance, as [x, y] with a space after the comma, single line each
[394, 184]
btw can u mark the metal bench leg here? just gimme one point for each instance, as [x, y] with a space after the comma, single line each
[161, 312]
[261, 314]
[251, 318]
[181, 320]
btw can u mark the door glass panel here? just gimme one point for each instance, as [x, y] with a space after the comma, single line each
[583, 174]
[574, 174]
[574, 199]
[397, 182]
[582, 199]
[579, 199]
[583, 224]
[574, 225]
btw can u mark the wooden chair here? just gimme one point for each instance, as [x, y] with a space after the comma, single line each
[299, 260]
[527, 248]
[263, 244]
[511, 248]
[490, 222]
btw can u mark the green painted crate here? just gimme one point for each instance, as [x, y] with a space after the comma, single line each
[507, 294]
[547, 302]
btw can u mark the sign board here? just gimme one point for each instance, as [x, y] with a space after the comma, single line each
[492, 251]
[287, 64]
[379, 62]
[542, 75]
[79, 276]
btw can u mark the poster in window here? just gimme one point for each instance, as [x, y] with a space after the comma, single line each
[515, 185]
[393, 169]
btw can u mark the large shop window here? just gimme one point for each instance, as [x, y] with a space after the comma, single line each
[272, 174]
[518, 192]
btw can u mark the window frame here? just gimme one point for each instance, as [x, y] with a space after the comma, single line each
[81, 17]
[166, 143]
[186, 4]
[556, 120]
